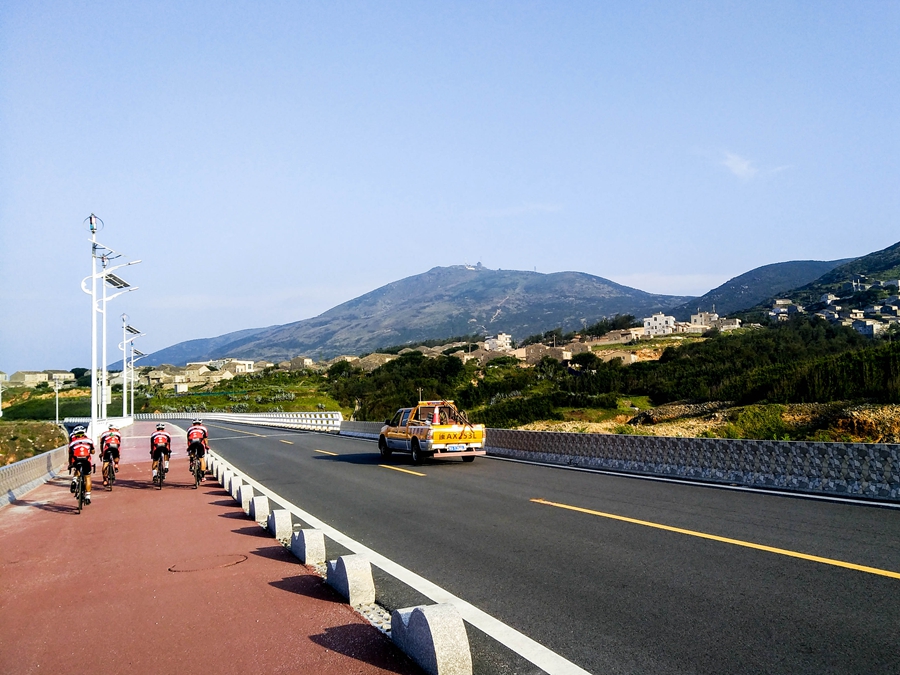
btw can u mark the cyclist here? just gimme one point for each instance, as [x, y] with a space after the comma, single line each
[160, 450]
[80, 450]
[198, 443]
[110, 442]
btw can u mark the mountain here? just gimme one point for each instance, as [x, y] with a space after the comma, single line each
[881, 265]
[757, 285]
[445, 301]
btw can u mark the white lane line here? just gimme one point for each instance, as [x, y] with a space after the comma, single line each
[521, 644]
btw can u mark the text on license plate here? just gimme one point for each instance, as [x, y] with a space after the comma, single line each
[456, 448]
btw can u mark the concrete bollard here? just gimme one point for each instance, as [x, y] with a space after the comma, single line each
[279, 525]
[245, 494]
[236, 483]
[309, 546]
[259, 509]
[434, 636]
[211, 464]
[351, 576]
[220, 470]
[226, 479]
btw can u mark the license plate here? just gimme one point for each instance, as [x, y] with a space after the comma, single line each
[455, 448]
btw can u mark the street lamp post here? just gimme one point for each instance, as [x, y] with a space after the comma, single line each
[56, 389]
[135, 333]
[105, 276]
[135, 355]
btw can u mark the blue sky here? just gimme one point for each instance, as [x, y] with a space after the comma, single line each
[269, 160]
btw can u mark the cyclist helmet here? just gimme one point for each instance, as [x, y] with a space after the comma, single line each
[79, 431]
[197, 422]
[113, 427]
[160, 426]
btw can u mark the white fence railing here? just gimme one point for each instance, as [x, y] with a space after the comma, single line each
[308, 421]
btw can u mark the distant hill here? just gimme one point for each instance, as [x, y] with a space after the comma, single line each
[878, 266]
[440, 303]
[756, 286]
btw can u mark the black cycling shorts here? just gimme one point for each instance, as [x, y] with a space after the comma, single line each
[111, 454]
[158, 452]
[82, 464]
[197, 449]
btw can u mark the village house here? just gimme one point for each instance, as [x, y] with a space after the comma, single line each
[60, 376]
[373, 361]
[501, 343]
[659, 324]
[28, 378]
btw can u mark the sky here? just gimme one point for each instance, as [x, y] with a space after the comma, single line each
[267, 160]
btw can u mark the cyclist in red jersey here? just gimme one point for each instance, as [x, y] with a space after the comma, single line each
[80, 450]
[110, 442]
[160, 450]
[198, 442]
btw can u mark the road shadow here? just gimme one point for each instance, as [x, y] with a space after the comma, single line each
[49, 507]
[366, 644]
[223, 502]
[252, 531]
[401, 460]
[238, 514]
[370, 459]
[308, 585]
[277, 552]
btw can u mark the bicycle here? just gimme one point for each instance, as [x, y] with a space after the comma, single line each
[196, 470]
[109, 474]
[195, 451]
[161, 470]
[80, 489]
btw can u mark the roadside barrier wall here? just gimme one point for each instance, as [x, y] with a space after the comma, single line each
[19, 477]
[361, 429]
[870, 470]
[309, 421]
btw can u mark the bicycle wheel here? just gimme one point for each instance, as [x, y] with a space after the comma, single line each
[160, 473]
[110, 476]
[197, 473]
[79, 492]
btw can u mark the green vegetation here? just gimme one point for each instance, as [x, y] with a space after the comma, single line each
[21, 440]
[804, 360]
[269, 391]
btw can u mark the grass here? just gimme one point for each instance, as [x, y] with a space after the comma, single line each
[21, 440]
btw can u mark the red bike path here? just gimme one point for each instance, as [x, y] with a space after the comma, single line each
[176, 580]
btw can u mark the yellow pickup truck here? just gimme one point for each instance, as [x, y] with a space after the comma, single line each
[432, 429]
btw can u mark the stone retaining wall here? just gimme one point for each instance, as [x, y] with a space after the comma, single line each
[852, 469]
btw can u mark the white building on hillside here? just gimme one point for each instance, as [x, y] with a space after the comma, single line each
[659, 324]
[501, 343]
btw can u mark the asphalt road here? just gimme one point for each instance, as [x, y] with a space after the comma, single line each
[611, 595]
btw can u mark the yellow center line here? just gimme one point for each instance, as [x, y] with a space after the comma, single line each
[325, 452]
[726, 540]
[397, 468]
[284, 441]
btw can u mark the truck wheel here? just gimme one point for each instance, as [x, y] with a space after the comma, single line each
[468, 459]
[383, 448]
[416, 453]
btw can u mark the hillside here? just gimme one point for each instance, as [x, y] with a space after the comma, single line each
[881, 266]
[444, 301]
[758, 285]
